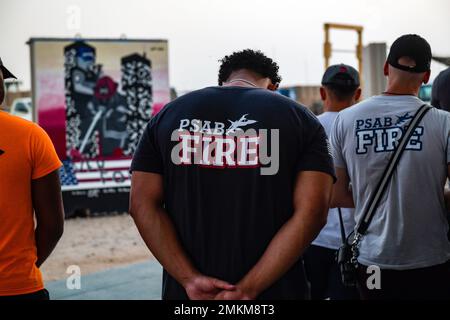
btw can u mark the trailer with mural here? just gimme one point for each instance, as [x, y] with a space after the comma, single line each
[94, 98]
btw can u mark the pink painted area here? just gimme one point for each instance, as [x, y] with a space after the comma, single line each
[50, 89]
[53, 121]
[161, 91]
[50, 102]
[157, 108]
[160, 99]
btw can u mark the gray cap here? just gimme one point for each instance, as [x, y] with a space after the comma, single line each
[6, 73]
[342, 75]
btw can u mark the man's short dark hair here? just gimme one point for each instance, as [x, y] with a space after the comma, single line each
[249, 59]
[340, 92]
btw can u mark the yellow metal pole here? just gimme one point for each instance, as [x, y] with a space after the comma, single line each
[327, 46]
[359, 50]
[359, 53]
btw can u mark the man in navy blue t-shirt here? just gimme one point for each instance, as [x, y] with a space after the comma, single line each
[230, 184]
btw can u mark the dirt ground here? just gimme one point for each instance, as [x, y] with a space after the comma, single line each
[95, 244]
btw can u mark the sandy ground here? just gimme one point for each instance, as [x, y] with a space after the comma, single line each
[96, 244]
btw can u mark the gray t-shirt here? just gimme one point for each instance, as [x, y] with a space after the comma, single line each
[409, 229]
[330, 236]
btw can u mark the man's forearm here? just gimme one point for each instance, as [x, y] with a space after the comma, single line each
[281, 254]
[46, 241]
[49, 213]
[342, 195]
[159, 234]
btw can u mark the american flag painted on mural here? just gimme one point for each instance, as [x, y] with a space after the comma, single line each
[88, 174]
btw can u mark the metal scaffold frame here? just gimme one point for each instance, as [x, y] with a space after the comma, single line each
[327, 48]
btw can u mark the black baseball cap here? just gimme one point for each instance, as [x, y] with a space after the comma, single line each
[342, 75]
[6, 73]
[413, 47]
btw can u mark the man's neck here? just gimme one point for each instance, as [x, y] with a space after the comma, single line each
[243, 78]
[241, 82]
[333, 106]
[400, 91]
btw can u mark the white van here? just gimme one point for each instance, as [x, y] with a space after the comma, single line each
[21, 107]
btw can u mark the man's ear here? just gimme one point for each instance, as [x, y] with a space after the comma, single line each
[426, 77]
[386, 69]
[273, 87]
[358, 94]
[323, 93]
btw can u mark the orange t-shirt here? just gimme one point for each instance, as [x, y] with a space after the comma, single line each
[27, 153]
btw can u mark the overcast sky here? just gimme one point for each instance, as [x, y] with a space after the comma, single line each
[202, 31]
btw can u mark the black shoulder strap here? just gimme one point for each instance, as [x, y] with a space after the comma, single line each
[389, 171]
[341, 223]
